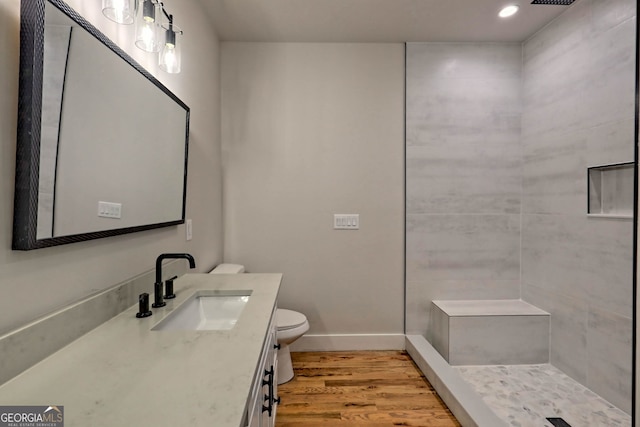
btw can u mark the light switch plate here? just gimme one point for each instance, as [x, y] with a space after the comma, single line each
[110, 210]
[189, 228]
[346, 221]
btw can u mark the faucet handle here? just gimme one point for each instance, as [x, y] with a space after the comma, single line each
[168, 288]
[158, 301]
[143, 304]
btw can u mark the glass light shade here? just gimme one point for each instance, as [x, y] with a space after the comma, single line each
[120, 11]
[170, 60]
[148, 28]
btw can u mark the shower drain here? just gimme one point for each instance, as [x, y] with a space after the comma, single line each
[558, 422]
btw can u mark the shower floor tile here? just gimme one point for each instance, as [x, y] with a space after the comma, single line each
[526, 395]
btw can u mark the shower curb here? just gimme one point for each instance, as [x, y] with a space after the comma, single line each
[459, 396]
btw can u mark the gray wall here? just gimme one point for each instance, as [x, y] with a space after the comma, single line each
[310, 130]
[579, 76]
[495, 211]
[37, 282]
[637, 301]
[463, 174]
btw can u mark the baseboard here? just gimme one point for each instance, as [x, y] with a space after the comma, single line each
[349, 342]
[465, 404]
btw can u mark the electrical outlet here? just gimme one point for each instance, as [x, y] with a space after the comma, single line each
[346, 221]
[189, 228]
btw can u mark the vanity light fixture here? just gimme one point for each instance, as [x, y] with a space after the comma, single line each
[150, 34]
[120, 11]
[508, 11]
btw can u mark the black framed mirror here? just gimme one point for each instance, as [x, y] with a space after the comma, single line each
[102, 145]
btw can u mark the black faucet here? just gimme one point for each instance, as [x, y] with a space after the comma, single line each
[158, 301]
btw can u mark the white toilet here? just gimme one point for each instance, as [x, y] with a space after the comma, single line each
[291, 326]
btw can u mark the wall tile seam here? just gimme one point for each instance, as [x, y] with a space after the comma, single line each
[527, 284]
[578, 215]
[470, 78]
[463, 214]
[584, 301]
[598, 33]
[521, 96]
[595, 309]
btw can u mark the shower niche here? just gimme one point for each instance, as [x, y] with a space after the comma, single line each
[610, 190]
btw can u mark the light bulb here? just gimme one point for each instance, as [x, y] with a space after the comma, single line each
[508, 11]
[148, 36]
[147, 28]
[169, 60]
[170, 57]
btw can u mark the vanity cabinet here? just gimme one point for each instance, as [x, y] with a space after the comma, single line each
[219, 378]
[263, 400]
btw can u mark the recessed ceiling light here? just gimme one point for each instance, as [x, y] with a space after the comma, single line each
[508, 11]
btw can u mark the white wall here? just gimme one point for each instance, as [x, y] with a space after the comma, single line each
[310, 130]
[37, 282]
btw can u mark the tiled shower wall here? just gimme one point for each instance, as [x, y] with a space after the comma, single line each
[499, 138]
[464, 169]
[578, 111]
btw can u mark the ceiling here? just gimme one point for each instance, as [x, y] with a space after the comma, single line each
[376, 20]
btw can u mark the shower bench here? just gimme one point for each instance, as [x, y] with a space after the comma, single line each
[489, 332]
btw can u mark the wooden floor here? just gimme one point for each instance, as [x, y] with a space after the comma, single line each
[368, 388]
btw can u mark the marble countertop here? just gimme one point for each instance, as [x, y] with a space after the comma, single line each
[124, 374]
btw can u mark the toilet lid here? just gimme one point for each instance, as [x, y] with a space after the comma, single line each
[289, 319]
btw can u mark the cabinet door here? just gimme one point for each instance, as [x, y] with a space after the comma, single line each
[267, 408]
[254, 417]
[254, 410]
[262, 401]
[274, 363]
[270, 389]
[275, 388]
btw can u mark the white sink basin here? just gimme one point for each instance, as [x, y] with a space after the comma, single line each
[206, 311]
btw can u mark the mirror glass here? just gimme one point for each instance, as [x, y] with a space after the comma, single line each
[104, 143]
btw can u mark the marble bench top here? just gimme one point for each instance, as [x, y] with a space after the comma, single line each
[124, 374]
[510, 307]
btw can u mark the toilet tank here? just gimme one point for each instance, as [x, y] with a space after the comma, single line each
[228, 269]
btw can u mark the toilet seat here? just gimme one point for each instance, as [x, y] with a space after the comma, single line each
[289, 319]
